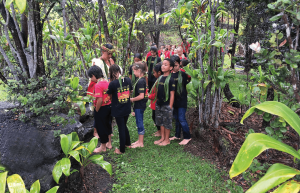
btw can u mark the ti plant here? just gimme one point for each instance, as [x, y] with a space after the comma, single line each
[256, 143]
[82, 153]
[16, 184]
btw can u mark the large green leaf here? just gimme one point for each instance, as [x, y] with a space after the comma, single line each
[7, 3]
[276, 174]
[255, 144]
[3, 181]
[74, 144]
[35, 187]
[57, 172]
[65, 165]
[64, 142]
[93, 144]
[75, 136]
[75, 155]
[75, 83]
[288, 187]
[98, 159]
[21, 4]
[15, 184]
[279, 109]
[53, 190]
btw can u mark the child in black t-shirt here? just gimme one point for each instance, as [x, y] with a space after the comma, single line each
[180, 103]
[164, 104]
[119, 89]
[151, 62]
[140, 95]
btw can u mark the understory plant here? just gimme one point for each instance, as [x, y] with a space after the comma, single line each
[16, 184]
[256, 143]
[81, 152]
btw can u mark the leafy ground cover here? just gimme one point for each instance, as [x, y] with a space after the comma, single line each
[161, 169]
[3, 94]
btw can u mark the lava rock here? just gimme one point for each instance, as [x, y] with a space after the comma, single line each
[30, 149]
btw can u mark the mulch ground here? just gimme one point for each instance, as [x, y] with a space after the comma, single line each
[220, 146]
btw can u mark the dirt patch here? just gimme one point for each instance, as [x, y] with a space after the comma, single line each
[220, 146]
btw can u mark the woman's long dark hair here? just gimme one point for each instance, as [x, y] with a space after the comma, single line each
[113, 70]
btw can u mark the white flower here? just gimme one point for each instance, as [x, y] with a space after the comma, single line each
[256, 47]
[274, 25]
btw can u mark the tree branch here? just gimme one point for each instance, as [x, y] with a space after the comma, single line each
[75, 16]
[48, 12]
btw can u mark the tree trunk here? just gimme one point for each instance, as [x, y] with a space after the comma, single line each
[270, 97]
[104, 21]
[129, 35]
[228, 94]
[236, 29]
[3, 78]
[63, 5]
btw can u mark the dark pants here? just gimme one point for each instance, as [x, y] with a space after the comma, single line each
[153, 118]
[181, 123]
[123, 132]
[103, 123]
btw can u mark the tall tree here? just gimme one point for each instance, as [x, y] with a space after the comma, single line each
[104, 21]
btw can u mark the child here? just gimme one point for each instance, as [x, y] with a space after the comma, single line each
[140, 100]
[119, 90]
[151, 62]
[90, 91]
[102, 110]
[165, 98]
[157, 73]
[180, 103]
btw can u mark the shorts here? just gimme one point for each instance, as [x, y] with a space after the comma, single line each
[164, 116]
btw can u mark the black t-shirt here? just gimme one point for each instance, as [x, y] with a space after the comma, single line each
[151, 78]
[134, 78]
[120, 102]
[141, 87]
[161, 97]
[180, 100]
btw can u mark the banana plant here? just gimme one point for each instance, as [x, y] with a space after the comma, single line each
[256, 143]
[16, 184]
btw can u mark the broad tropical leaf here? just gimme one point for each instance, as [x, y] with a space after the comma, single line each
[75, 155]
[3, 181]
[15, 184]
[288, 187]
[98, 159]
[7, 3]
[255, 144]
[275, 175]
[53, 190]
[64, 142]
[65, 165]
[57, 172]
[21, 4]
[35, 187]
[279, 109]
[75, 83]
[92, 144]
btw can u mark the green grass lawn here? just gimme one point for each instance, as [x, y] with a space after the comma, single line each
[3, 94]
[161, 169]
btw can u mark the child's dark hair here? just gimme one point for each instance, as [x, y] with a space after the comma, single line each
[113, 70]
[175, 59]
[153, 48]
[138, 55]
[96, 71]
[157, 68]
[184, 62]
[140, 66]
[171, 62]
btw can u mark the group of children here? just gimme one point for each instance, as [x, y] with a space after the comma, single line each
[166, 82]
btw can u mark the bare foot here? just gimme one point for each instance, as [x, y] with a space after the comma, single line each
[157, 134]
[158, 141]
[164, 143]
[185, 141]
[135, 143]
[109, 146]
[112, 135]
[98, 150]
[133, 113]
[138, 145]
[173, 138]
[117, 151]
[95, 133]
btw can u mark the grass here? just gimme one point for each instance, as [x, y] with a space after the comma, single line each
[161, 169]
[3, 94]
